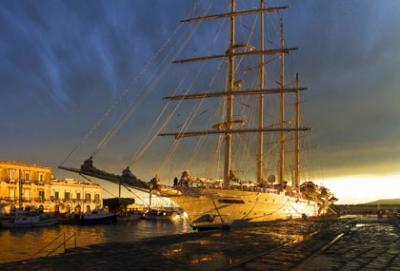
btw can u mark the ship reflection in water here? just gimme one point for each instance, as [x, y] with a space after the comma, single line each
[220, 249]
[22, 244]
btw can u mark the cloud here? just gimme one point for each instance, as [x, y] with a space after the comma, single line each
[64, 62]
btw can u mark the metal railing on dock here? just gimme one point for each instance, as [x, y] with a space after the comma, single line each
[61, 240]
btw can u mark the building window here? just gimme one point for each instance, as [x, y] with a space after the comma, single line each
[12, 175]
[56, 195]
[87, 197]
[97, 198]
[11, 193]
[41, 195]
[27, 194]
[27, 176]
[67, 196]
[41, 177]
[78, 196]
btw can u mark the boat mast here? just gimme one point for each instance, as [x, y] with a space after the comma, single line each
[297, 139]
[150, 196]
[229, 98]
[260, 153]
[20, 189]
[282, 110]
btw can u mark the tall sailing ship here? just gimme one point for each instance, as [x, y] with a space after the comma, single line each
[232, 201]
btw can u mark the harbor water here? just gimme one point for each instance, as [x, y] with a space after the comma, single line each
[21, 244]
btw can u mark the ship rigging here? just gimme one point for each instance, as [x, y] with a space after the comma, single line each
[233, 202]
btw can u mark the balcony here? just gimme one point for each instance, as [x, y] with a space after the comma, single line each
[26, 182]
[15, 199]
[39, 183]
[8, 180]
[9, 199]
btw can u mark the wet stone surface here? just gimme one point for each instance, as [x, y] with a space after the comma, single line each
[368, 245]
[290, 245]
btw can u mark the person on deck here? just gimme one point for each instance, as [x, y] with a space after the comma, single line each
[127, 173]
[232, 176]
[154, 183]
[88, 164]
[175, 181]
[185, 178]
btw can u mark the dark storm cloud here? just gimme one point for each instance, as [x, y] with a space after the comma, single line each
[348, 58]
[63, 62]
[48, 46]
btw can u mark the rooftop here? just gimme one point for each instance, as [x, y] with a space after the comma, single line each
[74, 181]
[25, 164]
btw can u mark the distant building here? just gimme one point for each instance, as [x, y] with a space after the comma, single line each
[41, 190]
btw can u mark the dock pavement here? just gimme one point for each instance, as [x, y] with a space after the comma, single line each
[348, 243]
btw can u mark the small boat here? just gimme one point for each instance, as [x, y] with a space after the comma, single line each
[28, 220]
[68, 218]
[128, 217]
[165, 215]
[96, 217]
[210, 226]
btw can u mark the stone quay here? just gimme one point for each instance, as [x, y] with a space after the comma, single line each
[349, 243]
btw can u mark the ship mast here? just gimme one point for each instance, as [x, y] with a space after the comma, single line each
[230, 92]
[260, 153]
[297, 140]
[229, 98]
[282, 110]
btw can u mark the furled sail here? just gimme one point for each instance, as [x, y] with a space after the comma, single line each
[126, 178]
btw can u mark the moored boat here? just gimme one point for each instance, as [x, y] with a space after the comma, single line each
[129, 216]
[28, 220]
[96, 217]
[160, 214]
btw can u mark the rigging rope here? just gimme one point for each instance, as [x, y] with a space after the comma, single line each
[202, 139]
[133, 193]
[141, 151]
[145, 145]
[191, 117]
[125, 92]
[184, 126]
[197, 148]
[220, 137]
[240, 61]
[151, 86]
[136, 156]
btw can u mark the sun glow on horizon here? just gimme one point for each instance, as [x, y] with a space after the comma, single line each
[363, 188]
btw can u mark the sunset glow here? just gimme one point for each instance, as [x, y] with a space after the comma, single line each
[364, 188]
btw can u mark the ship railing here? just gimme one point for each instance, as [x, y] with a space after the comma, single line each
[60, 241]
[237, 187]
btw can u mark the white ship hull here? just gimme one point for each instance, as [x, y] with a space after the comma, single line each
[206, 207]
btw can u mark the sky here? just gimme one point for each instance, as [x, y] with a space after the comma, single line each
[88, 77]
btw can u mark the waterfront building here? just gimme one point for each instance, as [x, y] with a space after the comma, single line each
[40, 189]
